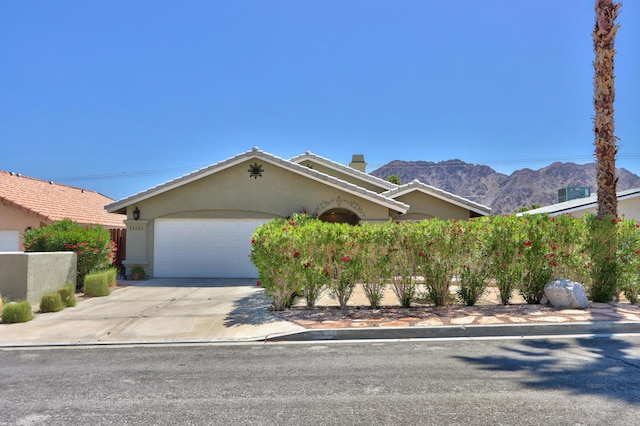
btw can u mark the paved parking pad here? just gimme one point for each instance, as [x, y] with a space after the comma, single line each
[163, 310]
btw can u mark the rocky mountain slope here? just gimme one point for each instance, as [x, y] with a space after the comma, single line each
[504, 194]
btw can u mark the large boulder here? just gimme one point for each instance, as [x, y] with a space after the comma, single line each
[566, 294]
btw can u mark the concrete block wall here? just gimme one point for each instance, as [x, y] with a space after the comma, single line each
[27, 276]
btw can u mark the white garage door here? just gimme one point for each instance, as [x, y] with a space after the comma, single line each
[200, 248]
[9, 240]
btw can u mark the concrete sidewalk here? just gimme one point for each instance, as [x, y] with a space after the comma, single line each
[222, 310]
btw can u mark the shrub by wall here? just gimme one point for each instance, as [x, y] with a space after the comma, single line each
[14, 312]
[92, 244]
[68, 295]
[96, 284]
[51, 302]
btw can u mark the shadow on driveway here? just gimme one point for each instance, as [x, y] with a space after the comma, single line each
[252, 310]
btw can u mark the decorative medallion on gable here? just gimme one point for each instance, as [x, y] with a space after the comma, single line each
[255, 170]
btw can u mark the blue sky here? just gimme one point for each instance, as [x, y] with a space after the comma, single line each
[118, 96]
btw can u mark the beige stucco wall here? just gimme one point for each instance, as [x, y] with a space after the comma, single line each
[26, 276]
[232, 193]
[12, 219]
[424, 206]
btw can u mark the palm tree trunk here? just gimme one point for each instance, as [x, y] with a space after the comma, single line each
[604, 36]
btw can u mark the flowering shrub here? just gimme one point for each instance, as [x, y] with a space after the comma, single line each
[475, 271]
[403, 261]
[374, 242]
[439, 247]
[92, 244]
[537, 257]
[346, 262]
[629, 259]
[304, 256]
[602, 249]
[505, 242]
[275, 254]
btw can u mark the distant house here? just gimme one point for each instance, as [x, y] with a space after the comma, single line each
[26, 202]
[200, 224]
[628, 206]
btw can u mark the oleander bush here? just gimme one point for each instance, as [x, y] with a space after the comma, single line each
[303, 256]
[92, 244]
[96, 284]
[51, 302]
[68, 295]
[19, 311]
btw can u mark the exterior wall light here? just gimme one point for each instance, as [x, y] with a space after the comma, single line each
[136, 214]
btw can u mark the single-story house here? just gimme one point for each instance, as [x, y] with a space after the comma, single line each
[200, 224]
[628, 206]
[27, 202]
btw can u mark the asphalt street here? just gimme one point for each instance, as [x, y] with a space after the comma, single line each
[551, 381]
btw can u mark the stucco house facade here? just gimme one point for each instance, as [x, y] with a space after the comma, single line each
[628, 206]
[27, 202]
[200, 224]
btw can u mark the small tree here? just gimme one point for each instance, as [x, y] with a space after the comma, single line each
[92, 244]
[394, 179]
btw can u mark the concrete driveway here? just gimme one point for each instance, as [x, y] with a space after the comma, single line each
[157, 311]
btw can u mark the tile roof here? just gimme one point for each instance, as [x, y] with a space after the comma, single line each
[50, 201]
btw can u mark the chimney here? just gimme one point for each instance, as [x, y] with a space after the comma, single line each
[357, 162]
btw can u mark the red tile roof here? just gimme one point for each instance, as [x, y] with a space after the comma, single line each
[50, 201]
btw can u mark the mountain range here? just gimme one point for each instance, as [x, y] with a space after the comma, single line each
[504, 194]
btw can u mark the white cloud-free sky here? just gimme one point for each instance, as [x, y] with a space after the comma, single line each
[117, 96]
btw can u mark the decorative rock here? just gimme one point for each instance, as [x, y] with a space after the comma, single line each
[563, 293]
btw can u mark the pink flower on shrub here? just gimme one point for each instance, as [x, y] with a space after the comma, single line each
[421, 254]
[527, 243]
[296, 254]
[346, 259]
[306, 265]
[258, 283]
[253, 241]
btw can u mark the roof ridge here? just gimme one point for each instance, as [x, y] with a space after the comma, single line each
[363, 175]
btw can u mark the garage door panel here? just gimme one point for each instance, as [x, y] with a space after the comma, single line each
[199, 248]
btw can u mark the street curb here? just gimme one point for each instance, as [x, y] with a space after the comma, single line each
[462, 331]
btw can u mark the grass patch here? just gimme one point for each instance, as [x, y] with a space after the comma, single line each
[68, 295]
[51, 302]
[14, 312]
[96, 284]
[112, 276]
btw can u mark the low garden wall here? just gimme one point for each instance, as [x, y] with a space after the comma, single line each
[26, 276]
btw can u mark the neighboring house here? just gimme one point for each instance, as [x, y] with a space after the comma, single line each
[200, 224]
[27, 202]
[628, 206]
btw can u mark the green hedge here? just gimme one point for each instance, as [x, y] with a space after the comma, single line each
[304, 256]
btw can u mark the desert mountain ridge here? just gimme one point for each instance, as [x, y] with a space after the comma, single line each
[504, 194]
